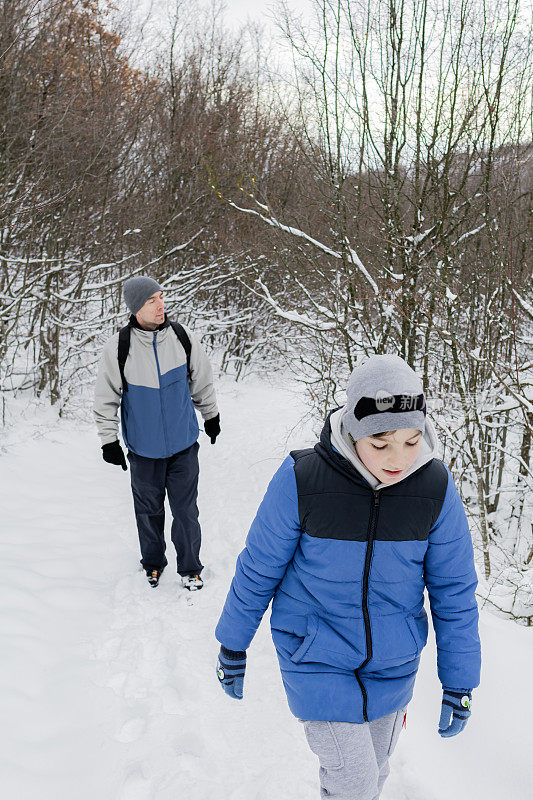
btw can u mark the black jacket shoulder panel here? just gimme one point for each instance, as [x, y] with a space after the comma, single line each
[334, 499]
[298, 454]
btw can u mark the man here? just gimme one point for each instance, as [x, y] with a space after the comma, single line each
[157, 372]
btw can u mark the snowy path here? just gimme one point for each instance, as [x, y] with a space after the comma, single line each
[108, 687]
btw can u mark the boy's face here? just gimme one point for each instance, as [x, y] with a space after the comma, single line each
[389, 455]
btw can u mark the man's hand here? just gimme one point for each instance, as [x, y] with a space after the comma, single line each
[112, 453]
[231, 666]
[455, 711]
[212, 428]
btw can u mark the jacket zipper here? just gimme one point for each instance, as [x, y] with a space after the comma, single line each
[366, 616]
[154, 345]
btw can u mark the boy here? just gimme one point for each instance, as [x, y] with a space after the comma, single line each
[347, 536]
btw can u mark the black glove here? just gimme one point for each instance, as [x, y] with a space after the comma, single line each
[112, 453]
[212, 428]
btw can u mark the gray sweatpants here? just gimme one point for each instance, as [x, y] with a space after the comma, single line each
[354, 758]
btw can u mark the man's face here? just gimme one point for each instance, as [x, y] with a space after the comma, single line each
[388, 456]
[152, 313]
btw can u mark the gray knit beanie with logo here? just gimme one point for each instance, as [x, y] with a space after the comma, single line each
[137, 290]
[383, 394]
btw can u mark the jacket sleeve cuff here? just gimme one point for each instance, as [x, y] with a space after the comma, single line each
[108, 438]
[233, 655]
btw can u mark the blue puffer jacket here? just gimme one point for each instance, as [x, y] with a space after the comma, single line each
[347, 566]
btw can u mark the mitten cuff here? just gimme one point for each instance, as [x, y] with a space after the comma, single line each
[232, 655]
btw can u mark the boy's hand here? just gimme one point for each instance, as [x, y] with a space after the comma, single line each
[231, 666]
[455, 711]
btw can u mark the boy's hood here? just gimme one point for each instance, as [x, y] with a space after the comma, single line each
[429, 449]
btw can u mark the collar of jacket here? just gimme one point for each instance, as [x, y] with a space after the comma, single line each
[133, 323]
[146, 337]
[325, 450]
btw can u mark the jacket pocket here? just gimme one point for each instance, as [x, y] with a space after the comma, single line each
[324, 644]
[419, 628]
[395, 640]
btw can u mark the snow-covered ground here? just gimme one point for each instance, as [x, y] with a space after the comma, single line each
[108, 687]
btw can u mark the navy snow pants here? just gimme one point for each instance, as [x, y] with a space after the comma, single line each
[178, 477]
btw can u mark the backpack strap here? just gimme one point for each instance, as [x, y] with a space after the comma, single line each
[124, 336]
[185, 342]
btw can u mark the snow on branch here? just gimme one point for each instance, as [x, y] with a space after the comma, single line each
[527, 307]
[290, 316]
[275, 223]
[468, 234]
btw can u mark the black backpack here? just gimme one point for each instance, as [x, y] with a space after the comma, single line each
[124, 336]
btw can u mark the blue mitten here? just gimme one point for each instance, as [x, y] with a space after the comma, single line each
[230, 670]
[455, 711]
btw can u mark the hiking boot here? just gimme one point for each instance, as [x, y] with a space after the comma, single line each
[192, 582]
[153, 576]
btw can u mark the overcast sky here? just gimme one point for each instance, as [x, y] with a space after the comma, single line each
[240, 10]
[237, 11]
[152, 17]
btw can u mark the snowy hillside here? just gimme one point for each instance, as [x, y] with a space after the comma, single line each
[108, 687]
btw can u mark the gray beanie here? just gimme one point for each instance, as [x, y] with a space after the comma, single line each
[137, 290]
[383, 394]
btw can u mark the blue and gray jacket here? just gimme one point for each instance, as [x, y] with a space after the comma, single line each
[157, 412]
[346, 565]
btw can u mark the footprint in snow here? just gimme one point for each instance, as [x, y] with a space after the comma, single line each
[132, 730]
[172, 703]
[136, 786]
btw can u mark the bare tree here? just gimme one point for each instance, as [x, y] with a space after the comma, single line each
[413, 228]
